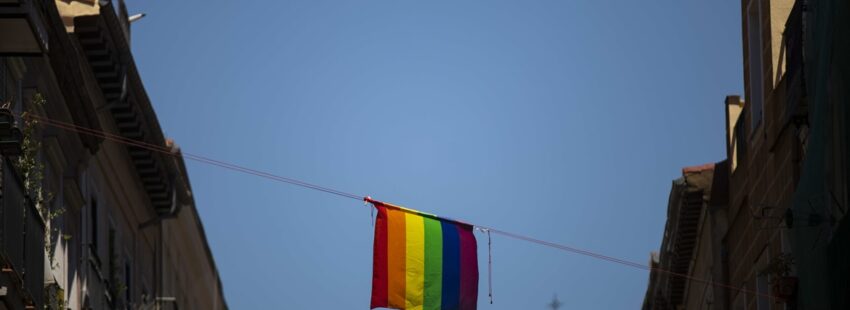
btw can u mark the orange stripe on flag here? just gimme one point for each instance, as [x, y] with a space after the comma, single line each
[396, 267]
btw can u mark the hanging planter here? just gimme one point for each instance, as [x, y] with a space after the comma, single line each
[783, 284]
[784, 288]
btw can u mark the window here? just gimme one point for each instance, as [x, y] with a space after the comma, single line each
[10, 86]
[756, 71]
[762, 282]
[93, 218]
[128, 281]
[708, 294]
[114, 268]
[763, 287]
[740, 301]
[19, 100]
[145, 297]
[740, 146]
[2, 79]
[110, 250]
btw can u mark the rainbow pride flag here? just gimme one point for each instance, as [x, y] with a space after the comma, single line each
[423, 262]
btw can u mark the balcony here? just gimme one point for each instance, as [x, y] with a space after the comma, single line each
[21, 244]
[22, 32]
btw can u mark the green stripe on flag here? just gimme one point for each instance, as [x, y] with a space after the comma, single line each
[433, 263]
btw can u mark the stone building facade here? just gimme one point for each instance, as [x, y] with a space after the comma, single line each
[115, 225]
[779, 241]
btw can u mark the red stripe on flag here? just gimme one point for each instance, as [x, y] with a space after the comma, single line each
[380, 282]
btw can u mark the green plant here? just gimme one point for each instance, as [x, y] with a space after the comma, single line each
[116, 286]
[54, 297]
[783, 284]
[779, 266]
[33, 174]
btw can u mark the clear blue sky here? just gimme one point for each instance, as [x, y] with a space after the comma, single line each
[562, 120]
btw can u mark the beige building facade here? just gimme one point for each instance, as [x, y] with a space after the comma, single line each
[683, 270]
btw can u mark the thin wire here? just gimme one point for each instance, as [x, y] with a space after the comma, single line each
[624, 262]
[490, 266]
[172, 152]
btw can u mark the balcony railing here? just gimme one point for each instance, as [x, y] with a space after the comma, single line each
[22, 31]
[22, 239]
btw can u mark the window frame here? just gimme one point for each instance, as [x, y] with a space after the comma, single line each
[755, 57]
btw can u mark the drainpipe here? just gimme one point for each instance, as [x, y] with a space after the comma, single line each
[180, 193]
[161, 271]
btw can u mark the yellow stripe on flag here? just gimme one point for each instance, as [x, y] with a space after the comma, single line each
[415, 261]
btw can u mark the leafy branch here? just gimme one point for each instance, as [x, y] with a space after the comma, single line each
[33, 174]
